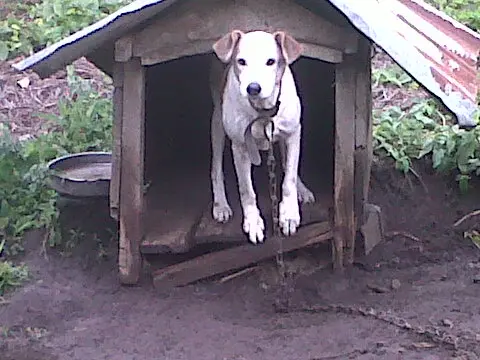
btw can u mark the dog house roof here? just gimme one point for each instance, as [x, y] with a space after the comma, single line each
[440, 53]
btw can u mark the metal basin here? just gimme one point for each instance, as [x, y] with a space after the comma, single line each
[84, 174]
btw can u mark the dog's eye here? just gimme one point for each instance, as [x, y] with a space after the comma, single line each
[241, 62]
[270, 62]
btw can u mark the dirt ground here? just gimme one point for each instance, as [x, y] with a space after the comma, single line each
[74, 307]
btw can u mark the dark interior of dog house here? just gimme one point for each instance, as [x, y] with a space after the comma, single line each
[177, 145]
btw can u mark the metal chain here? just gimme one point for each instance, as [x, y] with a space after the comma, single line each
[433, 333]
[272, 178]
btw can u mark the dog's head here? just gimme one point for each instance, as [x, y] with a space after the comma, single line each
[258, 59]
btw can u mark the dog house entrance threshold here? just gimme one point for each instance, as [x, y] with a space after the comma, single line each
[178, 218]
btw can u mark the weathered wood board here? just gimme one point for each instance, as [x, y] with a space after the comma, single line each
[344, 218]
[131, 176]
[237, 257]
[179, 218]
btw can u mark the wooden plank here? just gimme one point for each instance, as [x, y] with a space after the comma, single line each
[372, 229]
[173, 209]
[179, 216]
[117, 140]
[237, 257]
[363, 129]
[210, 231]
[132, 173]
[344, 220]
[156, 56]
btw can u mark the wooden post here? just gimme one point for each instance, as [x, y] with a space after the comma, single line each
[363, 130]
[117, 140]
[344, 221]
[132, 171]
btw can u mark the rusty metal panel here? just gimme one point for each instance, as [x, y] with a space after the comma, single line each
[451, 49]
[433, 48]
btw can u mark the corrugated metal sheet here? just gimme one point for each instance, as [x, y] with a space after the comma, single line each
[437, 51]
[451, 49]
[429, 45]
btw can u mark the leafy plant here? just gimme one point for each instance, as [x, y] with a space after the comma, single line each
[48, 22]
[390, 75]
[84, 124]
[423, 131]
[10, 275]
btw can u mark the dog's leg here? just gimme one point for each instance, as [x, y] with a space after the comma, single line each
[289, 212]
[305, 196]
[252, 221]
[221, 209]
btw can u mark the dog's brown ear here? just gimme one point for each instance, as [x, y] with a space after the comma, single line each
[291, 48]
[226, 45]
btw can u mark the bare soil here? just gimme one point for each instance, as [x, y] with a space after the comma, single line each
[423, 275]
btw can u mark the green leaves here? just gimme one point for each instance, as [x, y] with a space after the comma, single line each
[84, 123]
[50, 21]
[3, 50]
[422, 131]
[392, 75]
[11, 276]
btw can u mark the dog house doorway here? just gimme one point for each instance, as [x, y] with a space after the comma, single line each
[177, 154]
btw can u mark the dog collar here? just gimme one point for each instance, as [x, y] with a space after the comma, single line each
[269, 113]
[266, 117]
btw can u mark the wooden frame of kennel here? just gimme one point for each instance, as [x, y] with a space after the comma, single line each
[335, 43]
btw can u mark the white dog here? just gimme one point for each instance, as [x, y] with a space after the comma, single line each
[257, 82]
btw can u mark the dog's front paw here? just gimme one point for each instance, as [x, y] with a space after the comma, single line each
[305, 196]
[222, 212]
[289, 217]
[254, 227]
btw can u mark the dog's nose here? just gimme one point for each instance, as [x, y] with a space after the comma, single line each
[254, 89]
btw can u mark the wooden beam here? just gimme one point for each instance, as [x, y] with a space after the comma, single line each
[198, 22]
[159, 55]
[132, 172]
[344, 220]
[124, 48]
[363, 128]
[117, 140]
[323, 53]
[222, 261]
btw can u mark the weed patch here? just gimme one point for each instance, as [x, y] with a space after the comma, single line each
[11, 275]
[48, 22]
[423, 130]
[84, 123]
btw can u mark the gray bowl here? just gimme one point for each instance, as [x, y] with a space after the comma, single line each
[84, 174]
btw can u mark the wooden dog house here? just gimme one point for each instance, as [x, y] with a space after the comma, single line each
[159, 58]
[161, 75]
